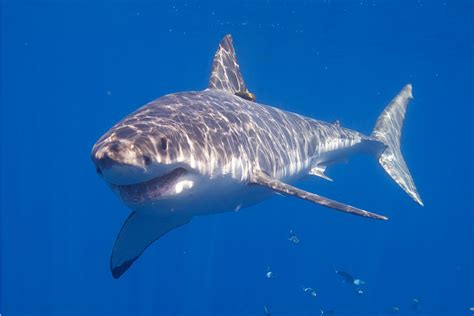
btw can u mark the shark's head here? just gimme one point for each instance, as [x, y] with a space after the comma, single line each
[145, 157]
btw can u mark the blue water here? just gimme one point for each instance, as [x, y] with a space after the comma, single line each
[71, 69]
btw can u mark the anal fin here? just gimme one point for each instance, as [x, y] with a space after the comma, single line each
[138, 232]
[263, 179]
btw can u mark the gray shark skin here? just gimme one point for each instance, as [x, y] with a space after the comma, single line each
[203, 152]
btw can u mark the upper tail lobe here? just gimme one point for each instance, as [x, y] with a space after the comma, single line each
[388, 130]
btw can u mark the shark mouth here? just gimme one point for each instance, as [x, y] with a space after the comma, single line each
[152, 189]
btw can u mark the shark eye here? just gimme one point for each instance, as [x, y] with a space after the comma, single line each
[115, 147]
[164, 143]
[146, 160]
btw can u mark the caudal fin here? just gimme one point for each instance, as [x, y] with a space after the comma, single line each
[388, 130]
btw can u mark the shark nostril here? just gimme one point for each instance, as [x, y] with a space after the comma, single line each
[146, 160]
[105, 162]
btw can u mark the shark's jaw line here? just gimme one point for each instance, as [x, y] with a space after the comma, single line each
[161, 186]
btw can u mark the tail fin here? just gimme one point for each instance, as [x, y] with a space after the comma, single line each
[388, 130]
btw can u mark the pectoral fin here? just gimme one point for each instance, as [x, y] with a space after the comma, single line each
[137, 233]
[263, 179]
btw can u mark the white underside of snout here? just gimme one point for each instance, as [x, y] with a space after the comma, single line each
[125, 174]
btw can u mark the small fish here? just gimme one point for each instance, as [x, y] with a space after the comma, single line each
[327, 312]
[311, 292]
[269, 274]
[358, 282]
[346, 277]
[266, 311]
[293, 238]
[359, 291]
[395, 309]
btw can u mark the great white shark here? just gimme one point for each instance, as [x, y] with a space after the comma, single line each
[204, 152]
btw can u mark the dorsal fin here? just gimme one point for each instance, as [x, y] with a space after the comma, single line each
[225, 73]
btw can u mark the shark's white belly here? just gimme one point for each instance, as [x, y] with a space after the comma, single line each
[208, 196]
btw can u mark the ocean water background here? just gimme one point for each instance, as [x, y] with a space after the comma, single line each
[71, 69]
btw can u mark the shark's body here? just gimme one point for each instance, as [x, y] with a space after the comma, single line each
[195, 153]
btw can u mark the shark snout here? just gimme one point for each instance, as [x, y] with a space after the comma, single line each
[104, 163]
[109, 155]
[120, 163]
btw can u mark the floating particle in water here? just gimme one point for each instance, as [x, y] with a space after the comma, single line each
[293, 238]
[266, 311]
[327, 312]
[360, 291]
[415, 304]
[310, 291]
[269, 274]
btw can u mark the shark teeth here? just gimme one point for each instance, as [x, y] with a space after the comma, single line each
[152, 189]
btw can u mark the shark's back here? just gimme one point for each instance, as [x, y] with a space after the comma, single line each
[235, 135]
